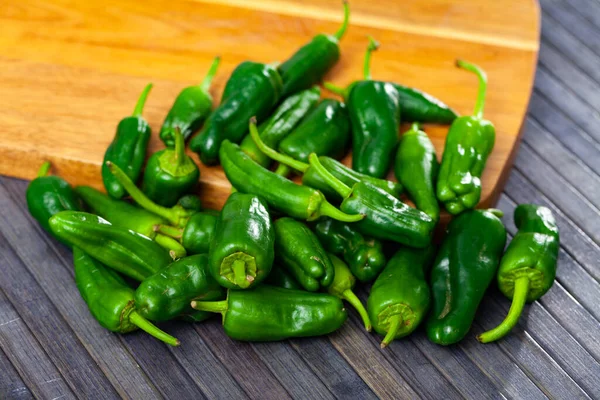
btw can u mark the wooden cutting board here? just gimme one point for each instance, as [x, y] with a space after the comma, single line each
[70, 70]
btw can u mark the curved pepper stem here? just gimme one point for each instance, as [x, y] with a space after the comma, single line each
[139, 106]
[373, 45]
[210, 306]
[44, 169]
[478, 111]
[329, 210]
[335, 89]
[271, 153]
[151, 329]
[342, 31]
[395, 322]
[171, 231]
[351, 298]
[498, 213]
[516, 308]
[337, 185]
[212, 71]
[179, 148]
[176, 250]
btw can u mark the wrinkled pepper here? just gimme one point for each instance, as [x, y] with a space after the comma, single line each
[469, 142]
[528, 267]
[199, 232]
[190, 202]
[128, 148]
[280, 277]
[191, 107]
[418, 106]
[464, 268]
[268, 313]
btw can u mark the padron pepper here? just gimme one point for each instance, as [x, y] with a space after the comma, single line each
[268, 313]
[312, 61]
[281, 123]
[280, 277]
[528, 267]
[191, 107]
[242, 250]
[418, 106]
[190, 202]
[400, 297]
[416, 168]
[363, 255]
[123, 250]
[128, 148]
[464, 268]
[253, 89]
[469, 142]
[110, 300]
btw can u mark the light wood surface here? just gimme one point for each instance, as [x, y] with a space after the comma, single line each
[70, 70]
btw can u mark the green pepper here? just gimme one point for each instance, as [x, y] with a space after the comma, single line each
[252, 90]
[123, 250]
[191, 107]
[528, 267]
[469, 142]
[416, 167]
[47, 195]
[268, 313]
[374, 110]
[170, 174]
[364, 255]
[168, 293]
[325, 131]
[281, 278]
[418, 106]
[464, 268]
[312, 61]
[190, 202]
[110, 300]
[128, 148]
[242, 250]
[285, 118]
[298, 250]
[400, 297]
[199, 232]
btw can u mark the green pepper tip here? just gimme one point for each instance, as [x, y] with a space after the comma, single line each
[44, 169]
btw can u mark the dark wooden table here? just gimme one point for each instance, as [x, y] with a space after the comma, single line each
[52, 348]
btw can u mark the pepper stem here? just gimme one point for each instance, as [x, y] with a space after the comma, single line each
[178, 251]
[210, 306]
[44, 169]
[478, 111]
[415, 127]
[335, 89]
[351, 298]
[395, 322]
[171, 231]
[337, 185]
[212, 71]
[271, 153]
[328, 210]
[342, 31]
[518, 301]
[139, 106]
[283, 170]
[151, 329]
[373, 45]
[498, 213]
[179, 147]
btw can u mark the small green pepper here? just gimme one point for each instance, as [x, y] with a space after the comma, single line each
[252, 90]
[190, 202]
[199, 232]
[168, 293]
[268, 313]
[123, 250]
[242, 250]
[47, 195]
[128, 148]
[191, 107]
[281, 278]
[469, 142]
[170, 174]
[364, 256]
[312, 61]
[283, 121]
[416, 167]
[464, 268]
[528, 267]
[400, 297]
[110, 300]
[298, 250]
[418, 106]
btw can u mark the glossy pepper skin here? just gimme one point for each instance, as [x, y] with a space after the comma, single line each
[469, 142]
[312, 61]
[267, 313]
[242, 250]
[364, 256]
[464, 268]
[110, 300]
[191, 107]
[280, 277]
[281, 123]
[168, 293]
[170, 174]
[123, 250]
[190, 202]
[199, 232]
[128, 148]
[416, 168]
[418, 106]
[528, 267]
[400, 297]
[298, 251]
[252, 90]
[47, 195]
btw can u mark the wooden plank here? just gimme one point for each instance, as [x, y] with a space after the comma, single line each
[11, 384]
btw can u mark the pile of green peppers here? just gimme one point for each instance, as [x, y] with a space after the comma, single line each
[280, 259]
